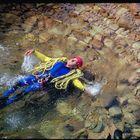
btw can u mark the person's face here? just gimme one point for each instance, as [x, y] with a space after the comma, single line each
[72, 63]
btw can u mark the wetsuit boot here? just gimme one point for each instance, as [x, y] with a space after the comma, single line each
[3, 99]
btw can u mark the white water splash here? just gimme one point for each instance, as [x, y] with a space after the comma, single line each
[28, 63]
[95, 88]
[3, 51]
[8, 80]
[14, 120]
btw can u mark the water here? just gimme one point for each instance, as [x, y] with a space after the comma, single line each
[8, 79]
[95, 88]
[14, 120]
[4, 51]
[28, 63]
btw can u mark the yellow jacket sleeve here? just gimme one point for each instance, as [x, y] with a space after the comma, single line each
[41, 56]
[77, 83]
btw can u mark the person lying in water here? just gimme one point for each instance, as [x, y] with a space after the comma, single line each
[57, 71]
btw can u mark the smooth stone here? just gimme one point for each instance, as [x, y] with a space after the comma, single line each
[113, 26]
[109, 43]
[121, 11]
[64, 108]
[136, 45]
[129, 118]
[99, 128]
[120, 125]
[115, 111]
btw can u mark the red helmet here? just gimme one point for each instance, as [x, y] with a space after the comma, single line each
[79, 61]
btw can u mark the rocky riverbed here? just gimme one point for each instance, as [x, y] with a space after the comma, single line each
[107, 36]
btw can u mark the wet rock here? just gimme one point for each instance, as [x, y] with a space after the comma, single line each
[108, 42]
[138, 57]
[30, 37]
[115, 111]
[121, 11]
[72, 40]
[74, 125]
[29, 23]
[137, 22]
[10, 18]
[69, 127]
[96, 44]
[138, 70]
[48, 22]
[91, 55]
[113, 26]
[130, 108]
[134, 78]
[59, 29]
[120, 125]
[81, 46]
[123, 101]
[137, 114]
[134, 101]
[134, 7]
[82, 133]
[124, 22]
[108, 31]
[129, 118]
[58, 53]
[99, 128]
[79, 35]
[44, 37]
[87, 39]
[94, 123]
[120, 31]
[136, 45]
[77, 114]
[52, 129]
[24, 134]
[119, 49]
[41, 25]
[95, 30]
[117, 134]
[64, 108]
[136, 133]
[99, 37]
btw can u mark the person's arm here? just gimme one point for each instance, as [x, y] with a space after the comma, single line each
[77, 83]
[82, 86]
[39, 55]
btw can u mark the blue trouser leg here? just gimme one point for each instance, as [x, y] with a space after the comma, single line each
[28, 80]
[34, 87]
